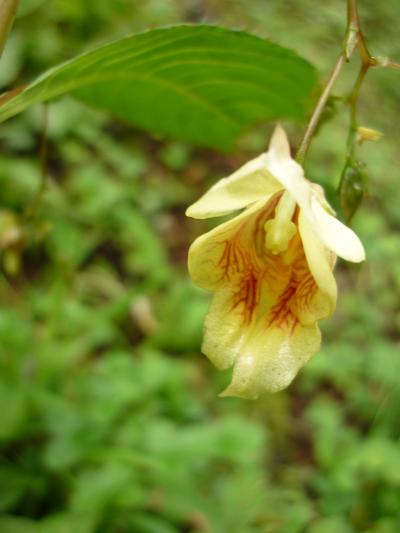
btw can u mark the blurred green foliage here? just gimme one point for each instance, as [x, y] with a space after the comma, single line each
[110, 416]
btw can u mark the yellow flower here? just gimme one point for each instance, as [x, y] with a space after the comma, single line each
[270, 268]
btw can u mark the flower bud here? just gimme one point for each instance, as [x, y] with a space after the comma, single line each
[352, 188]
[368, 134]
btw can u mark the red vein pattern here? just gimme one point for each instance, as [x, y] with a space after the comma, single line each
[251, 270]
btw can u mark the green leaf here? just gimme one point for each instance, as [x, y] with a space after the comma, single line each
[201, 84]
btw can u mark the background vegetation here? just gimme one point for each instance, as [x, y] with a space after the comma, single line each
[110, 420]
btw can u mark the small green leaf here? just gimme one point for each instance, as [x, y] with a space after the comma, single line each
[201, 84]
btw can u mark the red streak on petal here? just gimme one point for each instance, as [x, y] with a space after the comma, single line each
[280, 314]
[247, 295]
[248, 267]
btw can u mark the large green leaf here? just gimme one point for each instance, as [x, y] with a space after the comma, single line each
[202, 84]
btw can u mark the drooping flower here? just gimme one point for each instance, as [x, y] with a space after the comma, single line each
[270, 269]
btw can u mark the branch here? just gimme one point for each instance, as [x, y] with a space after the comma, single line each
[315, 117]
[353, 40]
[353, 22]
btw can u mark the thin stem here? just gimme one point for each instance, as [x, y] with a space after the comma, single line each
[352, 102]
[315, 117]
[8, 10]
[353, 98]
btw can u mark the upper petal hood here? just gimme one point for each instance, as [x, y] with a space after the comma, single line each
[332, 233]
[268, 173]
[285, 169]
[259, 178]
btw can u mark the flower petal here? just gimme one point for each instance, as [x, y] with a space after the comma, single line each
[248, 184]
[335, 235]
[287, 171]
[271, 358]
[320, 261]
[232, 260]
[217, 256]
[279, 145]
[224, 329]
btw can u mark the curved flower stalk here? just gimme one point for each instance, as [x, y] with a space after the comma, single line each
[270, 268]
